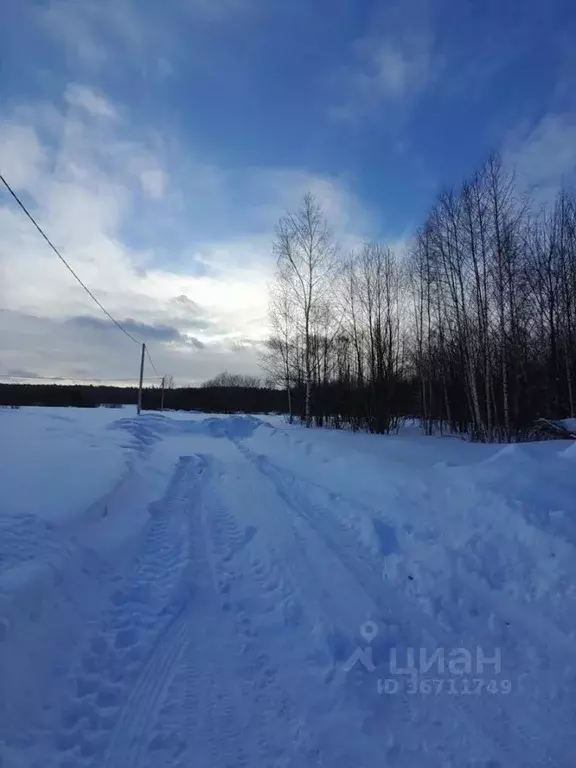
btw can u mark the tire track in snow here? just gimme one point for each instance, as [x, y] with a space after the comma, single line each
[213, 706]
[242, 705]
[416, 625]
[472, 599]
[125, 671]
[538, 627]
[196, 714]
[311, 610]
[141, 708]
[494, 720]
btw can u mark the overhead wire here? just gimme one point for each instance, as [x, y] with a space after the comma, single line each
[63, 260]
[151, 363]
[73, 273]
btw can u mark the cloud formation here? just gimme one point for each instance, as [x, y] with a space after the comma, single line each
[158, 144]
[393, 68]
[390, 65]
[85, 98]
[105, 37]
[544, 155]
[152, 332]
[98, 185]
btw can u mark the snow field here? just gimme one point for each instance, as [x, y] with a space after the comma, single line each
[235, 591]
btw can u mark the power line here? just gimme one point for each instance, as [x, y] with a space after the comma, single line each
[88, 291]
[152, 364]
[63, 260]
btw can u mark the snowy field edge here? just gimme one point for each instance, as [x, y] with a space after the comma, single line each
[234, 590]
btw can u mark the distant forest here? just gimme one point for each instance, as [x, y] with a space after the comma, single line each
[212, 399]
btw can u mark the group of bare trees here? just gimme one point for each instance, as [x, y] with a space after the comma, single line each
[472, 329]
[495, 320]
[227, 379]
[336, 342]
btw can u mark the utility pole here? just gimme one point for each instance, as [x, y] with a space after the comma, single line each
[141, 378]
[162, 395]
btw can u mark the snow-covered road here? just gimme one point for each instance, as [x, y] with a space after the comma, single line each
[232, 591]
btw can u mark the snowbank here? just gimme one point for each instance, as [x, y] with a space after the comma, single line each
[55, 462]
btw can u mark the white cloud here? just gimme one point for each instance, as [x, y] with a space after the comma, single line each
[386, 74]
[217, 9]
[35, 346]
[103, 35]
[153, 182]
[21, 154]
[544, 156]
[91, 183]
[390, 65]
[85, 98]
[394, 69]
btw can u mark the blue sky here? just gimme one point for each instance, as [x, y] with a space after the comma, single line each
[160, 141]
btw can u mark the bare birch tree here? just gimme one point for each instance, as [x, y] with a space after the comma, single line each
[307, 265]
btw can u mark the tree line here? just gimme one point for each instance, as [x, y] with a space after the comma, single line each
[472, 329]
[240, 396]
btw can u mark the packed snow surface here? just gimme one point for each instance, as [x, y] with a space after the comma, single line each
[190, 590]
